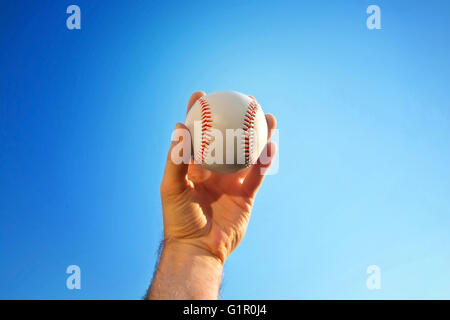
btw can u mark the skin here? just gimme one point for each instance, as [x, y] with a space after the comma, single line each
[205, 217]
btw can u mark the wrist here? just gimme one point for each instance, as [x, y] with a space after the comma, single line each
[199, 247]
[181, 251]
[186, 271]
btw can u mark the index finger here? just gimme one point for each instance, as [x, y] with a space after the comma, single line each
[195, 96]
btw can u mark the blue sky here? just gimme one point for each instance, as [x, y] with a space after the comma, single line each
[86, 117]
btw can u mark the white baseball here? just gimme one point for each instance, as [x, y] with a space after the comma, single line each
[228, 131]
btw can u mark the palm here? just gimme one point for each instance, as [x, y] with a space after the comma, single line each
[214, 209]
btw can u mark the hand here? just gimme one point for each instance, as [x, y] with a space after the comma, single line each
[208, 211]
[205, 218]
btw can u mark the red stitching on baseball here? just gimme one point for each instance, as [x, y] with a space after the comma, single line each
[249, 125]
[206, 128]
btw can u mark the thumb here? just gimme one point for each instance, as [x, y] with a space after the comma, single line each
[178, 158]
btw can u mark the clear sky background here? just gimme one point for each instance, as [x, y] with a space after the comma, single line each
[364, 143]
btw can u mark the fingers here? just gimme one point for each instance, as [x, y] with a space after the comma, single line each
[257, 172]
[195, 96]
[198, 174]
[271, 124]
[271, 121]
[179, 156]
[250, 179]
[174, 179]
[228, 181]
[235, 180]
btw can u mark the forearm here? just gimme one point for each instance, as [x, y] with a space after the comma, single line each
[186, 272]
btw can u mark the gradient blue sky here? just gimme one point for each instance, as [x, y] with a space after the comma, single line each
[86, 118]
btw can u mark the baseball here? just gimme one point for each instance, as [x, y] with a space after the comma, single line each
[228, 131]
